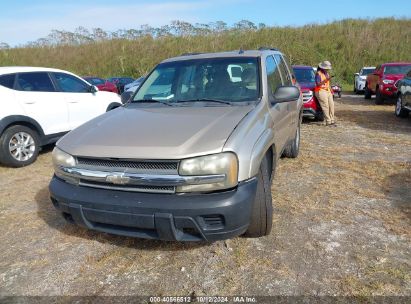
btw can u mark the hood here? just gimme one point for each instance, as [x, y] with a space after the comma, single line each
[155, 132]
[307, 85]
[394, 76]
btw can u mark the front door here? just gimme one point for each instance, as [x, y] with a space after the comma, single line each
[37, 95]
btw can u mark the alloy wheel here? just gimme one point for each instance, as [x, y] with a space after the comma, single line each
[22, 146]
[398, 106]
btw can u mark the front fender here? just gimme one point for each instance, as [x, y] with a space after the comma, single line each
[262, 145]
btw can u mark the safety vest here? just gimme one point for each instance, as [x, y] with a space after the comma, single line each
[325, 86]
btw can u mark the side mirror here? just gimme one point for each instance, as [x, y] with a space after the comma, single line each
[357, 74]
[126, 96]
[93, 89]
[286, 94]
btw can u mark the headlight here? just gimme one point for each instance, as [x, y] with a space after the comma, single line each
[217, 164]
[387, 81]
[62, 159]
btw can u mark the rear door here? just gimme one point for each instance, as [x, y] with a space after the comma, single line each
[278, 111]
[292, 114]
[82, 104]
[37, 95]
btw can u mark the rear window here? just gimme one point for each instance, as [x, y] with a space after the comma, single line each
[7, 80]
[95, 81]
[35, 82]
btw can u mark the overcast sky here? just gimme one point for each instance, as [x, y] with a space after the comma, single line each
[27, 20]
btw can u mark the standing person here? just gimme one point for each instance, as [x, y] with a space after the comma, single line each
[323, 92]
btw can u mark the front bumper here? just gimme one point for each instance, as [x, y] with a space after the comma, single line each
[311, 113]
[388, 91]
[181, 217]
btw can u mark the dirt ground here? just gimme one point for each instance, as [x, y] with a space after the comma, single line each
[342, 226]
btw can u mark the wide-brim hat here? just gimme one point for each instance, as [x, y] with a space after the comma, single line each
[325, 65]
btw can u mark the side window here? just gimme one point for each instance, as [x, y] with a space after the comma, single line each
[35, 82]
[288, 64]
[283, 70]
[71, 84]
[7, 80]
[273, 74]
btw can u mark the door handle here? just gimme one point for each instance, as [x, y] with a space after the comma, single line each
[73, 101]
[29, 102]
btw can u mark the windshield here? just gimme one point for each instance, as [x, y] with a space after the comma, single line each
[367, 71]
[304, 75]
[223, 79]
[397, 69]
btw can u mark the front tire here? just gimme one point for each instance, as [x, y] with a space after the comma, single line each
[367, 92]
[399, 110]
[19, 146]
[261, 220]
[379, 99]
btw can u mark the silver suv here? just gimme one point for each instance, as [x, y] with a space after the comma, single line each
[192, 154]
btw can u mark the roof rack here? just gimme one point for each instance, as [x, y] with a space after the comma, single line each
[190, 54]
[265, 48]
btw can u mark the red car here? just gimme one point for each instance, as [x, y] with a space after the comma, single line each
[305, 76]
[102, 84]
[382, 82]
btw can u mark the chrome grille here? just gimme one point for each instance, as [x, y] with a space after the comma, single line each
[134, 188]
[157, 167]
[307, 95]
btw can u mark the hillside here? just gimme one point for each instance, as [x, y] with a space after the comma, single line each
[348, 44]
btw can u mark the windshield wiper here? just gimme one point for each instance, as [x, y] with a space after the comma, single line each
[152, 101]
[207, 100]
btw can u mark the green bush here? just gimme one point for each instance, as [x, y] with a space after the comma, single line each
[349, 44]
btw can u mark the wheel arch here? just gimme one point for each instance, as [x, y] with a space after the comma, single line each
[264, 147]
[112, 106]
[22, 120]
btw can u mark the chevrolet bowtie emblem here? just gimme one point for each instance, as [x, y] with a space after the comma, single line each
[118, 179]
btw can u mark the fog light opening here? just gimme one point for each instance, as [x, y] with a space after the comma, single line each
[68, 217]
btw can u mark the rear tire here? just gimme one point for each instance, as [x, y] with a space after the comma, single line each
[399, 110]
[19, 146]
[367, 92]
[379, 99]
[292, 150]
[113, 106]
[261, 220]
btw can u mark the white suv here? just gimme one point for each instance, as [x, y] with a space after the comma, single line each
[360, 77]
[39, 105]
